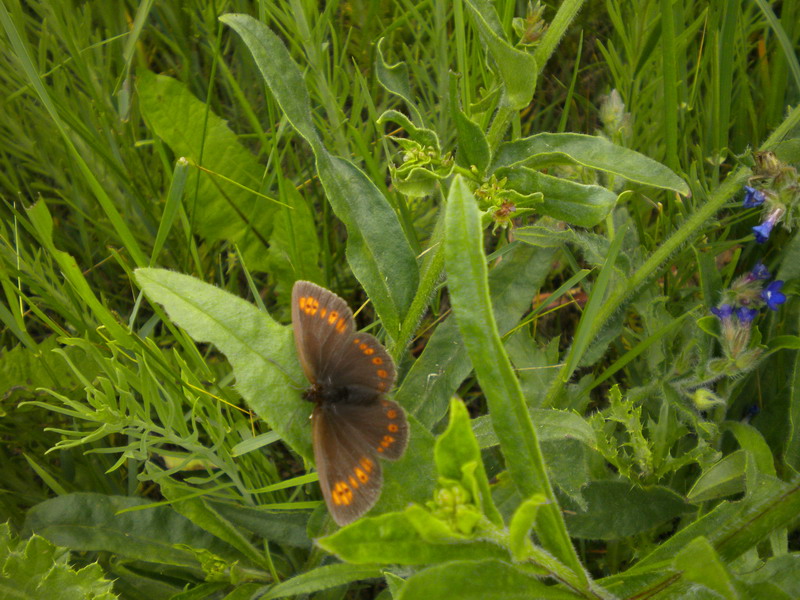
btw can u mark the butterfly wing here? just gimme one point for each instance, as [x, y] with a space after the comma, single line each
[348, 438]
[323, 326]
[330, 350]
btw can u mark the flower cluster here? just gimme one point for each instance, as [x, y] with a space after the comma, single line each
[740, 304]
[776, 187]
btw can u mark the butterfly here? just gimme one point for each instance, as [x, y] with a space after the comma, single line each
[354, 424]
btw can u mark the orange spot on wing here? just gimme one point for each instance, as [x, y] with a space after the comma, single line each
[383, 373]
[362, 477]
[392, 414]
[309, 305]
[393, 428]
[341, 494]
[341, 325]
[332, 317]
[367, 464]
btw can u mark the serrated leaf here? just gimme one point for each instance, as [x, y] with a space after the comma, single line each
[35, 569]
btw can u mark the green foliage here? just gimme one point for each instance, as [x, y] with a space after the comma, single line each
[540, 208]
[36, 569]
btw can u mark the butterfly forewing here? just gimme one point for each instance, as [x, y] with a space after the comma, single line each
[331, 352]
[323, 326]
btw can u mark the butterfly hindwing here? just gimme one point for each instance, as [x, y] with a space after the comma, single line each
[349, 472]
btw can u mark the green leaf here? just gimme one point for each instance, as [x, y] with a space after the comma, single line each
[220, 210]
[784, 342]
[617, 509]
[473, 147]
[421, 135]
[724, 478]
[202, 514]
[751, 440]
[377, 249]
[780, 571]
[89, 522]
[469, 294]
[583, 340]
[260, 350]
[277, 527]
[43, 222]
[521, 524]
[394, 78]
[24, 369]
[516, 69]
[699, 563]
[444, 364]
[321, 578]
[545, 149]
[479, 580]
[294, 251]
[457, 447]
[550, 424]
[35, 569]
[733, 528]
[565, 200]
[390, 538]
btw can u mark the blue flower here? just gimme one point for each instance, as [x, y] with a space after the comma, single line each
[759, 272]
[753, 197]
[723, 312]
[746, 315]
[762, 231]
[772, 294]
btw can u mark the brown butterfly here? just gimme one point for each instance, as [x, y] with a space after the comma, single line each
[353, 422]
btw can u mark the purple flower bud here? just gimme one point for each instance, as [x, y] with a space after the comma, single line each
[759, 272]
[772, 294]
[723, 312]
[753, 197]
[746, 315]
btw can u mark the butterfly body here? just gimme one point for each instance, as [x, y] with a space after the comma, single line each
[353, 422]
